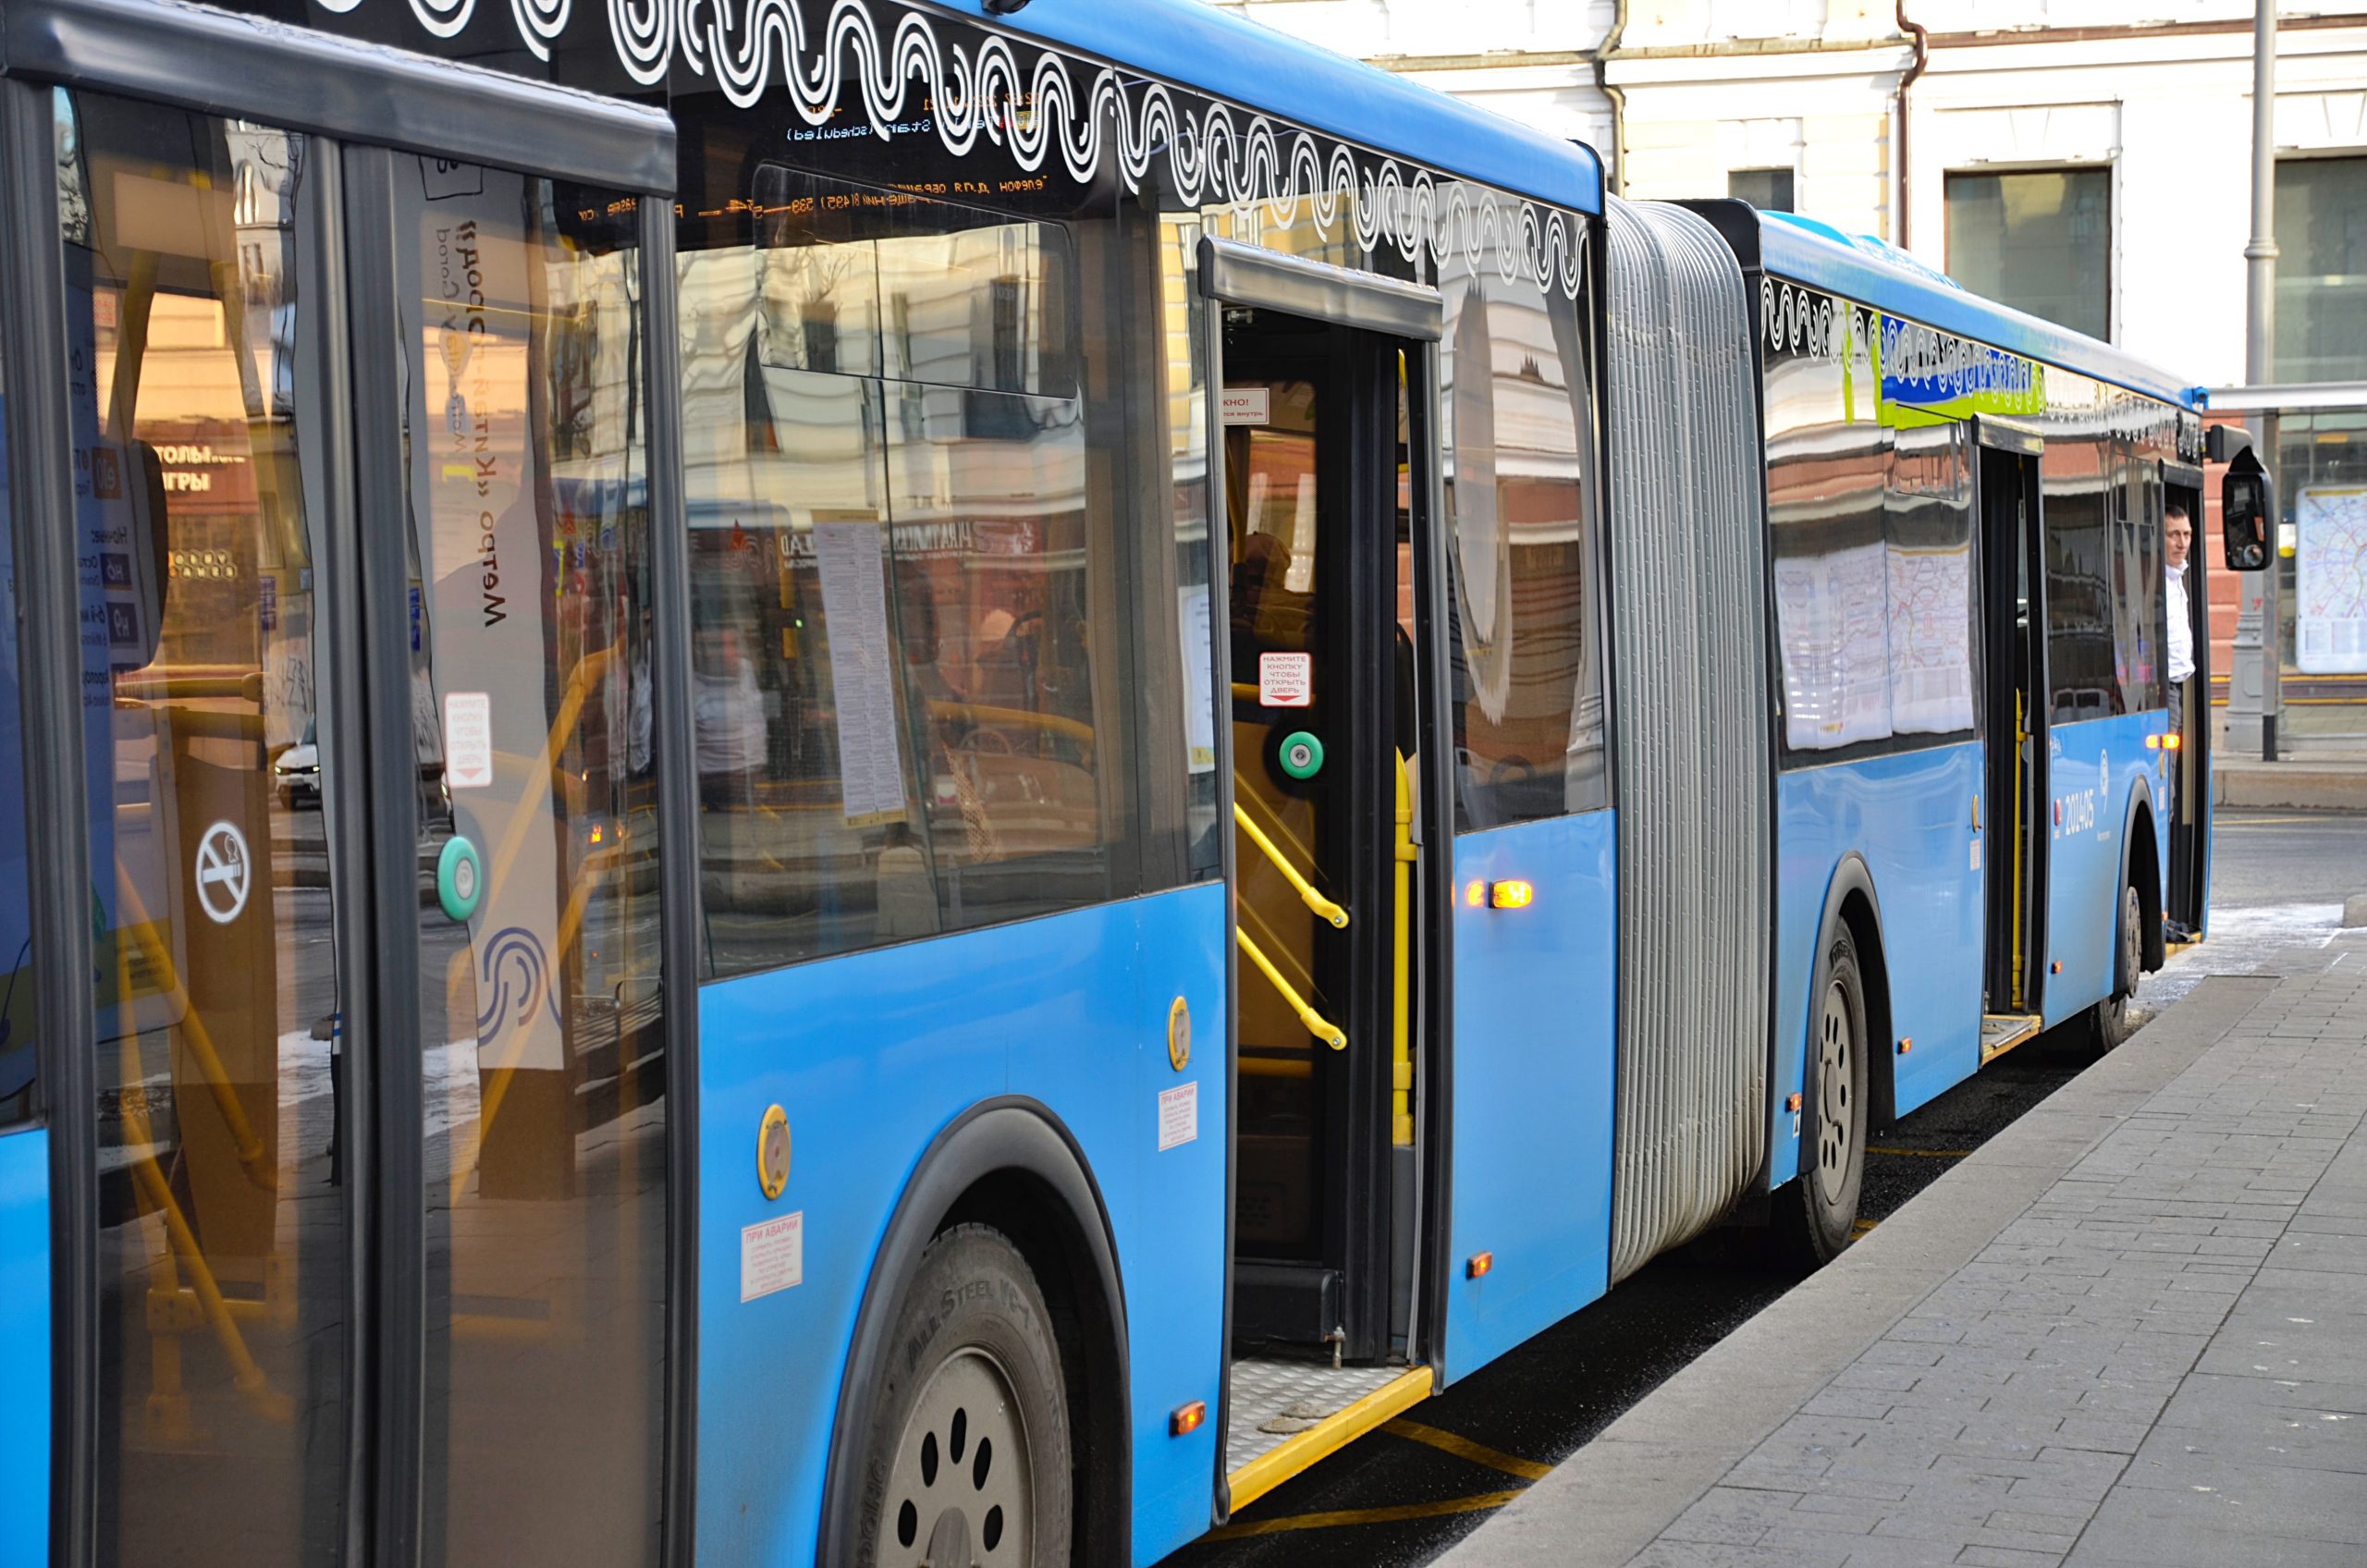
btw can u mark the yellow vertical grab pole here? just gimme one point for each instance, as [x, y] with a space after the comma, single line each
[1401, 1047]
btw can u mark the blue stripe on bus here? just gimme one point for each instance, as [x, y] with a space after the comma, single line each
[1822, 257]
[1198, 47]
[872, 1054]
[1534, 1084]
[1909, 816]
[2093, 766]
[24, 1328]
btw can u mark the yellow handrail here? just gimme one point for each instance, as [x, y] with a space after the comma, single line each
[1317, 1024]
[1307, 894]
[1401, 1049]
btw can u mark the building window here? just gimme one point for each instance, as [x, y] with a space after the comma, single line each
[2321, 269]
[1767, 189]
[2040, 241]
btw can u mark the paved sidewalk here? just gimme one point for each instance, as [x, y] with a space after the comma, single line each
[2130, 1329]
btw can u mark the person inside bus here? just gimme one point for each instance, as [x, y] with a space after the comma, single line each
[2178, 539]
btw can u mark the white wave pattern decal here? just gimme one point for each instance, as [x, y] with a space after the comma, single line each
[1215, 156]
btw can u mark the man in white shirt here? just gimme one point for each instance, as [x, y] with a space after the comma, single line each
[2178, 539]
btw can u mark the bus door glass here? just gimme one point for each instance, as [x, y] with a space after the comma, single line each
[200, 520]
[518, 310]
[222, 484]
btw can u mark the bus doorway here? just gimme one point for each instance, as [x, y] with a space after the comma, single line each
[2013, 830]
[2188, 888]
[1320, 492]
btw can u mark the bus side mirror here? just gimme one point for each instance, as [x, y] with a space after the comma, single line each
[2247, 503]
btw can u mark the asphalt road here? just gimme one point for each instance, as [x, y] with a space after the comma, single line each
[1406, 1493]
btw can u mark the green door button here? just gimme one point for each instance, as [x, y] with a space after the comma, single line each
[1301, 755]
[459, 880]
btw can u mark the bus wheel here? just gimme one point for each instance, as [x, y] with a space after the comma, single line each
[1820, 1208]
[2108, 1022]
[968, 1458]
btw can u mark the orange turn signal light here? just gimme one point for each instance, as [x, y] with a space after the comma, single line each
[1906, 1044]
[1475, 895]
[2173, 742]
[1188, 1418]
[1512, 895]
[1480, 1263]
[1792, 1102]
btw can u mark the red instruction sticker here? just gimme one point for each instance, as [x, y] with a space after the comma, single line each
[1285, 680]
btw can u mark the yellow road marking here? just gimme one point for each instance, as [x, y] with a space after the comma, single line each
[1922, 1154]
[1464, 1448]
[1391, 1515]
[2267, 821]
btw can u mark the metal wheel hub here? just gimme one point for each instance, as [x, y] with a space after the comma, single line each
[962, 1491]
[1835, 1052]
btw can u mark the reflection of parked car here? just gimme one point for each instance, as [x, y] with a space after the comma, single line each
[297, 770]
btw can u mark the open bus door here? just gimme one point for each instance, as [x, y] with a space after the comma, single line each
[2012, 805]
[2187, 889]
[1326, 495]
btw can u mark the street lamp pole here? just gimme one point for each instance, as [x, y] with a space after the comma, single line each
[2254, 694]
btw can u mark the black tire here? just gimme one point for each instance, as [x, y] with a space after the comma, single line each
[2108, 1021]
[1816, 1213]
[967, 1456]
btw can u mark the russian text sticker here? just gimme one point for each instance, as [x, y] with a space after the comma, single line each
[1286, 681]
[468, 740]
[1179, 1115]
[772, 1256]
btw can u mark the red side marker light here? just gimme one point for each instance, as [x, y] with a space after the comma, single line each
[1480, 1263]
[2058, 813]
[1188, 1418]
[1510, 895]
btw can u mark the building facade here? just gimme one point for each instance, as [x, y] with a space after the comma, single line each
[2086, 160]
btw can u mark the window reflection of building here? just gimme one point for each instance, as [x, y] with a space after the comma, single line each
[1525, 651]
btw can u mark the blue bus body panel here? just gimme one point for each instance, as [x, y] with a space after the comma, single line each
[872, 1054]
[1874, 274]
[1219, 53]
[1909, 816]
[24, 1328]
[1535, 1016]
[2092, 768]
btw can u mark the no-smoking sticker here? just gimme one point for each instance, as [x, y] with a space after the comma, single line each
[224, 874]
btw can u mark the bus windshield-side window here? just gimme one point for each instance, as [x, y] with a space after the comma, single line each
[19, 1037]
[920, 703]
[1526, 648]
[2079, 619]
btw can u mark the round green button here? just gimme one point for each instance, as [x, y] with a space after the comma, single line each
[459, 878]
[1301, 755]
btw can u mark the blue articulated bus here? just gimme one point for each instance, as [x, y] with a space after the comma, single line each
[835, 782]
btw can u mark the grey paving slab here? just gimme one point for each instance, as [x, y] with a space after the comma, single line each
[2130, 1329]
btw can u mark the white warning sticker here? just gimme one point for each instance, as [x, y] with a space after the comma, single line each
[1179, 1115]
[1249, 405]
[468, 740]
[772, 1256]
[1976, 854]
[1285, 680]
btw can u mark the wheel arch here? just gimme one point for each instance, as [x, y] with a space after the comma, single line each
[2141, 867]
[1013, 1163]
[1850, 899]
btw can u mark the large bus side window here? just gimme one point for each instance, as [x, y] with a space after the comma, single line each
[2081, 652]
[922, 703]
[1527, 645]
